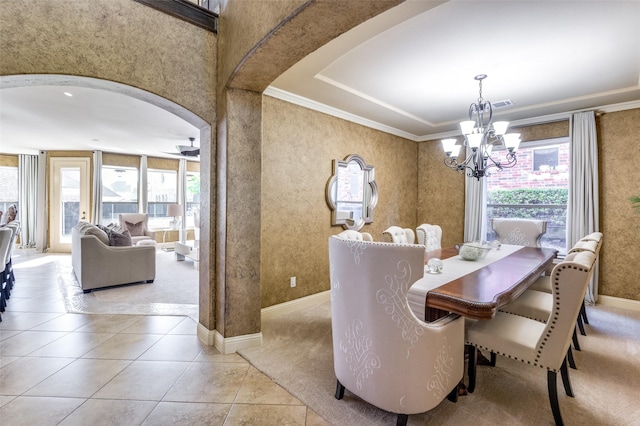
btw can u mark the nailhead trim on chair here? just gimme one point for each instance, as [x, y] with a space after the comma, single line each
[545, 339]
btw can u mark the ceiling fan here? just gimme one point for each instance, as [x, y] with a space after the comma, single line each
[188, 151]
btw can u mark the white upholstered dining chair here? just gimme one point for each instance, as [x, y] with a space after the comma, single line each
[430, 236]
[400, 235]
[536, 303]
[533, 342]
[519, 232]
[350, 234]
[382, 352]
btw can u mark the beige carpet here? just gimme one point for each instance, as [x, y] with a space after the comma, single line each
[297, 354]
[173, 292]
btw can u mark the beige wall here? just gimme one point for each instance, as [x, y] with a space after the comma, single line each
[619, 179]
[415, 187]
[116, 40]
[298, 147]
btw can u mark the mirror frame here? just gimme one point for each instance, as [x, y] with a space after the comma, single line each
[369, 197]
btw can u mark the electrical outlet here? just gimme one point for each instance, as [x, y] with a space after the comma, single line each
[293, 282]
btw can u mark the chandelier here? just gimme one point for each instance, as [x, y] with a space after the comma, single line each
[481, 135]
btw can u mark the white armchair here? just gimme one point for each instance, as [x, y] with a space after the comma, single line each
[137, 224]
[520, 232]
[382, 352]
[429, 236]
[533, 342]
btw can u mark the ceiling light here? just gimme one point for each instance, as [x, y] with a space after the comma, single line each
[481, 136]
[68, 94]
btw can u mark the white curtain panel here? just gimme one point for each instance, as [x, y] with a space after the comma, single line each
[41, 228]
[474, 212]
[27, 198]
[96, 210]
[142, 185]
[582, 207]
[182, 196]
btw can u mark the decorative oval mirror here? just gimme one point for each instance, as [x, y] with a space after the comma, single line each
[352, 193]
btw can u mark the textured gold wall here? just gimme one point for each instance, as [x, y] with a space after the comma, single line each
[619, 179]
[117, 40]
[9, 160]
[440, 193]
[298, 147]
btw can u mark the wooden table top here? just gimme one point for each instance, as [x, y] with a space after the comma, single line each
[481, 293]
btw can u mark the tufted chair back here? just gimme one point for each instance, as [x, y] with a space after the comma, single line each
[429, 236]
[519, 232]
[350, 234]
[400, 235]
[382, 352]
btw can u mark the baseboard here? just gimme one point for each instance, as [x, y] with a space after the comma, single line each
[294, 305]
[618, 302]
[233, 344]
[230, 344]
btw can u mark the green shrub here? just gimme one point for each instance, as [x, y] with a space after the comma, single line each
[506, 204]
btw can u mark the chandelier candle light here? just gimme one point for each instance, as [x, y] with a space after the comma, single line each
[481, 138]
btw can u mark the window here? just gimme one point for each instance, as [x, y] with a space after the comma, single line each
[536, 188]
[545, 159]
[162, 190]
[119, 192]
[8, 188]
[192, 197]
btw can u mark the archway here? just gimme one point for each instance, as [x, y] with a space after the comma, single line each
[204, 128]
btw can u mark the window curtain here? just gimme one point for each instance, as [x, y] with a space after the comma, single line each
[142, 186]
[182, 196]
[42, 214]
[27, 198]
[582, 206]
[474, 211]
[96, 211]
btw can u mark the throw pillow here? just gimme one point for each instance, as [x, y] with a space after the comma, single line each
[135, 229]
[115, 227]
[99, 233]
[120, 239]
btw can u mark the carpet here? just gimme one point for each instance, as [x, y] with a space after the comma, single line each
[173, 292]
[297, 354]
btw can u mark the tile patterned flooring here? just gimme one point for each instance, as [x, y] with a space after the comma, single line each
[58, 368]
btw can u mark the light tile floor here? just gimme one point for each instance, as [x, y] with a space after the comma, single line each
[58, 368]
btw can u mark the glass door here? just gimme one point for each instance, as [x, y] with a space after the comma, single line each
[69, 199]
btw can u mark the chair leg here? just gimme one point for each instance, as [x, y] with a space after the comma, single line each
[339, 390]
[572, 362]
[553, 397]
[453, 395]
[492, 363]
[576, 344]
[564, 372]
[581, 325]
[583, 313]
[402, 420]
[472, 368]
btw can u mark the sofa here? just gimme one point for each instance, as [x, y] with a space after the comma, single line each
[97, 264]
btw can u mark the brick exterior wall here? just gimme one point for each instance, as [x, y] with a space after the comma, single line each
[523, 174]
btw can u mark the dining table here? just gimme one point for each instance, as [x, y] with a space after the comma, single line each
[477, 289]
